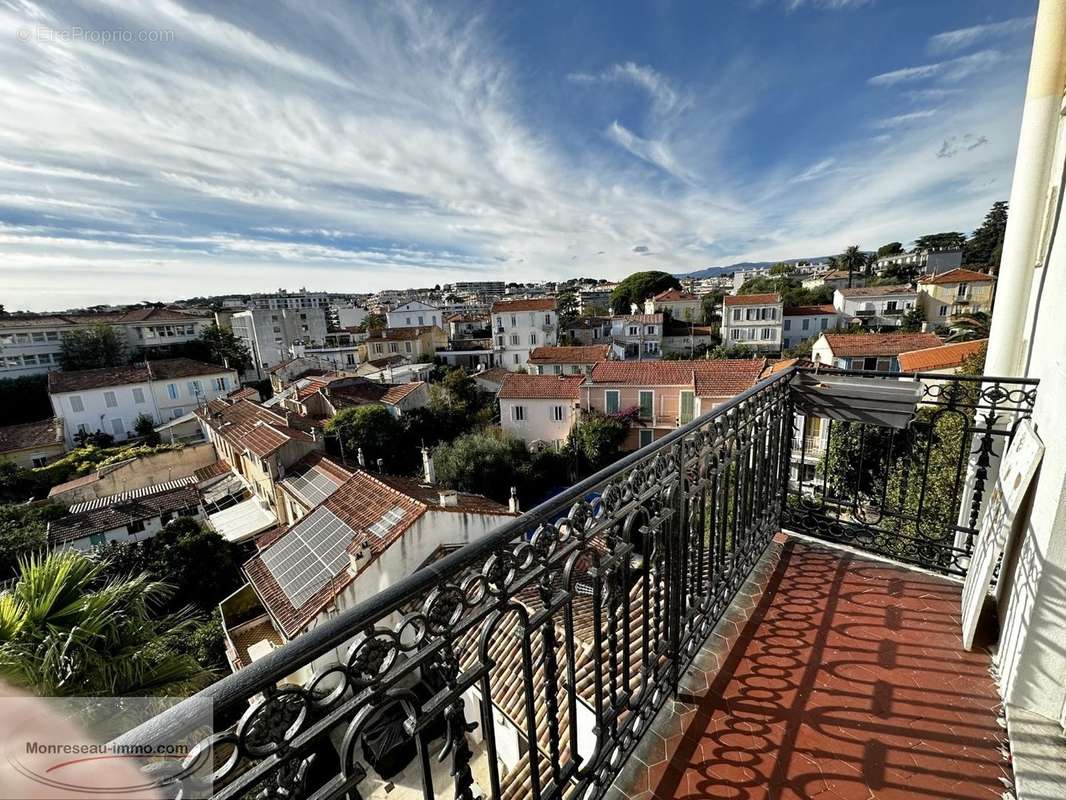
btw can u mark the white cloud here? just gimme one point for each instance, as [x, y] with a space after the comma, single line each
[955, 69]
[960, 39]
[654, 152]
[905, 119]
[663, 95]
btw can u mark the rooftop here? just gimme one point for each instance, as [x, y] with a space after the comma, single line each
[158, 370]
[879, 344]
[106, 514]
[27, 435]
[946, 356]
[520, 386]
[770, 298]
[582, 354]
[530, 304]
[877, 291]
[73, 319]
[710, 378]
[674, 295]
[642, 319]
[958, 275]
[248, 425]
[810, 311]
[402, 334]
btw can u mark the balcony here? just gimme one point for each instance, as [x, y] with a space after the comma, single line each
[681, 624]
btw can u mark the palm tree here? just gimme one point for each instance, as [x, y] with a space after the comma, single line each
[967, 327]
[67, 630]
[851, 260]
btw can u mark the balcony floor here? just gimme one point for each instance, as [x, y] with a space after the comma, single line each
[839, 677]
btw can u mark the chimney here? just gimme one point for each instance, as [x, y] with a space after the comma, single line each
[428, 471]
[288, 417]
[314, 433]
[449, 498]
[361, 458]
[925, 327]
[381, 466]
[512, 504]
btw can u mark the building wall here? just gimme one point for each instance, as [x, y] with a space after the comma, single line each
[939, 301]
[682, 310]
[560, 369]
[515, 333]
[634, 340]
[757, 327]
[269, 333]
[350, 316]
[177, 397]
[152, 526]
[539, 423]
[97, 415]
[877, 309]
[143, 471]
[25, 458]
[793, 332]
[415, 315]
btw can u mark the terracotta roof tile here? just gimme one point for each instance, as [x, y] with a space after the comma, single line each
[26, 435]
[121, 513]
[163, 369]
[752, 299]
[520, 386]
[642, 319]
[402, 334]
[959, 275]
[235, 422]
[809, 311]
[877, 291]
[584, 354]
[946, 356]
[674, 295]
[494, 375]
[709, 378]
[530, 304]
[879, 344]
[398, 392]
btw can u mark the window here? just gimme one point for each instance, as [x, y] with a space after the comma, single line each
[118, 427]
[610, 401]
[645, 437]
[825, 323]
[735, 335]
[547, 319]
[806, 324]
[650, 330]
[178, 411]
[220, 384]
[964, 290]
[767, 334]
[558, 413]
[138, 395]
[688, 406]
[76, 405]
[753, 314]
[38, 336]
[394, 347]
[499, 341]
[420, 321]
[647, 404]
[97, 540]
[516, 358]
[890, 305]
[515, 340]
[518, 413]
[737, 314]
[633, 330]
[788, 324]
[943, 311]
[38, 460]
[137, 526]
[557, 369]
[172, 391]
[514, 321]
[532, 338]
[195, 388]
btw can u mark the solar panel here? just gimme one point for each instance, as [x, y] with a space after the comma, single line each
[389, 519]
[311, 553]
[313, 486]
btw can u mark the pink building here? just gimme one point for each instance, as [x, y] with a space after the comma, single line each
[666, 394]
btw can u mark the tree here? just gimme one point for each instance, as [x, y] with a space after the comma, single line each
[202, 566]
[566, 302]
[638, 287]
[598, 437]
[144, 426]
[225, 347]
[967, 327]
[371, 428]
[985, 247]
[712, 305]
[375, 322]
[66, 630]
[782, 268]
[890, 249]
[94, 347]
[913, 319]
[950, 240]
[852, 260]
[23, 531]
[487, 462]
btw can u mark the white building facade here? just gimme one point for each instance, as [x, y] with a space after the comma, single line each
[753, 320]
[271, 333]
[519, 326]
[802, 323]
[876, 306]
[540, 408]
[415, 314]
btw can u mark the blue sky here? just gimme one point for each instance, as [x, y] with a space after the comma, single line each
[355, 146]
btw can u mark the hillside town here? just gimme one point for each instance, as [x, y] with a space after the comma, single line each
[430, 401]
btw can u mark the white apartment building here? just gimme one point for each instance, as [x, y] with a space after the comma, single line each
[519, 326]
[271, 334]
[283, 298]
[637, 336]
[540, 408]
[348, 316]
[415, 314]
[806, 322]
[30, 344]
[110, 400]
[876, 306]
[754, 320]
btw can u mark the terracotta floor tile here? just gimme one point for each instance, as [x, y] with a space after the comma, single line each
[845, 680]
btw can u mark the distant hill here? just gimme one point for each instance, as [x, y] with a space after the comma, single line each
[714, 272]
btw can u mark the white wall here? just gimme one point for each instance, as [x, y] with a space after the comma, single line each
[539, 424]
[350, 316]
[211, 386]
[528, 327]
[97, 415]
[415, 314]
[793, 334]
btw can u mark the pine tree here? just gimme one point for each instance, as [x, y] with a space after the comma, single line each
[985, 247]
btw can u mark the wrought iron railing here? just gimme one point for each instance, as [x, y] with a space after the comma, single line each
[530, 662]
[912, 494]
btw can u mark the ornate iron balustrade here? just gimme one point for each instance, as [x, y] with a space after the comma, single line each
[901, 493]
[530, 661]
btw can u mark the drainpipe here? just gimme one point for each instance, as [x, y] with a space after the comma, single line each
[1029, 192]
